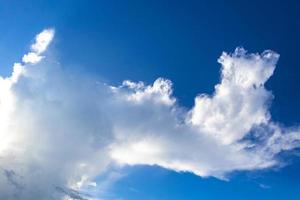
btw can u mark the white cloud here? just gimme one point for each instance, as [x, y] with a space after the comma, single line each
[240, 101]
[59, 130]
[42, 41]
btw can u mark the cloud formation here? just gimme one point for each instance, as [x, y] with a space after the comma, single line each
[42, 41]
[58, 130]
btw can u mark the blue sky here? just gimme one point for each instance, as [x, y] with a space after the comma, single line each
[179, 40]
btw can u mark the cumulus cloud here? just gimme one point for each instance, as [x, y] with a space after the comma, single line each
[59, 130]
[42, 41]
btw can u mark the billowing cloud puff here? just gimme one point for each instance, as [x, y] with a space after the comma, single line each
[58, 130]
[42, 41]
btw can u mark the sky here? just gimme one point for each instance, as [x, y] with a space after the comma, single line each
[151, 100]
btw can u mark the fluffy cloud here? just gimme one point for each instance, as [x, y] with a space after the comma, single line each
[59, 130]
[42, 41]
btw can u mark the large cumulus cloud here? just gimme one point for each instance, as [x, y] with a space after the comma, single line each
[59, 130]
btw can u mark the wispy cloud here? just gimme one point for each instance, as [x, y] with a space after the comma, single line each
[60, 131]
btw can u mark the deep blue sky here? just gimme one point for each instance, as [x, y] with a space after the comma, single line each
[179, 40]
